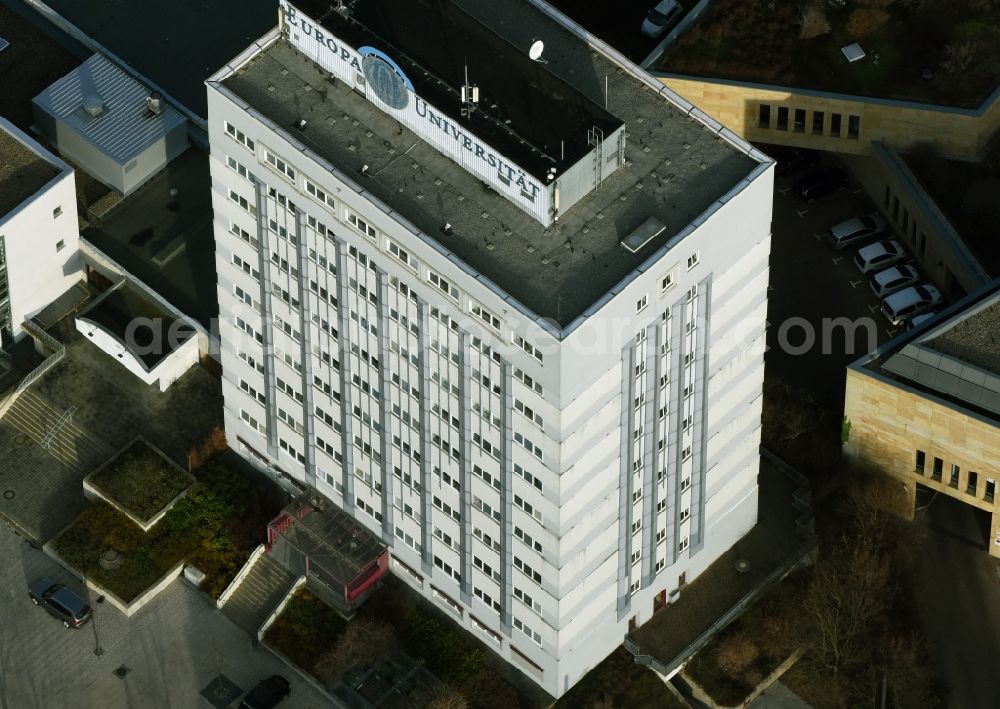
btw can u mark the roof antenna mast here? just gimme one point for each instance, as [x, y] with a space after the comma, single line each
[470, 95]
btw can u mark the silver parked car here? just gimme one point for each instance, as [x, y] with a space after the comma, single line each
[660, 17]
[909, 302]
[894, 278]
[879, 255]
[856, 230]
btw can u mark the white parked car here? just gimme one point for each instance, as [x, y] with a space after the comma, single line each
[660, 17]
[890, 280]
[905, 304]
[879, 255]
[856, 230]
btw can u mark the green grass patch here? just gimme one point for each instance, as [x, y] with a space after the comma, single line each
[214, 527]
[141, 480]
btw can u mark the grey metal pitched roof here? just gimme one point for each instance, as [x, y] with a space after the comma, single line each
[126, 127]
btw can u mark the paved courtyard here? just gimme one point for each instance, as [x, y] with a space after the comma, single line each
[172, 648]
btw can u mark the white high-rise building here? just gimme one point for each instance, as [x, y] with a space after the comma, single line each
[507, 313]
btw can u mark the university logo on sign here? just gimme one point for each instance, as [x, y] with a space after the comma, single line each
[385, 78]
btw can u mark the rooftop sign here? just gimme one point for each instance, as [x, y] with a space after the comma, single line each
[383, 82]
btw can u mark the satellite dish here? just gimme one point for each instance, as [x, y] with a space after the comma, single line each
[537, 47]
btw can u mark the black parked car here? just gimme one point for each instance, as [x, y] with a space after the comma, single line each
[61, 602]
[821, 182]
[791, 160]
[267, 694]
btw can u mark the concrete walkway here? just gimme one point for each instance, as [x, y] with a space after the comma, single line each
[171, 649]
[778, 696]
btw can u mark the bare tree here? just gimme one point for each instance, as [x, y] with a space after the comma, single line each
[847, 597]
[813, 21]
[448, 698]
[362, 643]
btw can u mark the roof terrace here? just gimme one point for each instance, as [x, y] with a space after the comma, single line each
[23, 172]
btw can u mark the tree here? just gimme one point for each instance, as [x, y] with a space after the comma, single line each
[847, 599]
[362, 644]
[448, 697]
[865, 21]
[736, 653]
[813, 21]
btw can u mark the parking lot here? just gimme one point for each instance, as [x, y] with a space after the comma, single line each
[814, 288]
[170, 650]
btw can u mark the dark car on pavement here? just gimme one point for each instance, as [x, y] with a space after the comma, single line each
[820, 182]
[267, 694]
[61, 602]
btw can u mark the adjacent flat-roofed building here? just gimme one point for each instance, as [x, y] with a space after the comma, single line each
[513, 323]
[39, 232]
[109, 123]
[926, 410]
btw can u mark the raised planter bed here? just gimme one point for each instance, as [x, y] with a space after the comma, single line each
[140, 482]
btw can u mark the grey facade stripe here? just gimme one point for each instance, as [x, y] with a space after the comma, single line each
[344, 351]
[465, 465]
[305, 352]
[674, 432]
[699, 443]
[651, 457]
[507, 498]
[267, 320]
[385, 405]
[426, 538]
[624, 478]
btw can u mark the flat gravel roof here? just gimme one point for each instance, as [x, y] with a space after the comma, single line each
[23, 172]
[676, 167]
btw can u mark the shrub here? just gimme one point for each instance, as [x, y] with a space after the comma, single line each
[140, 480]
[813, 21]
[865, 21]
[736, 653]
[305, 630]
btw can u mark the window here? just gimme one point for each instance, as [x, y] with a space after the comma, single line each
[853, 127]
[938, 467]
[320, 194]
[990, 492]
[835, 125]
[953, 481]
[641, 304]
[527, 600]
[56, 212]
[528, 381]
[442, 285]
[683, 544]
[818, 121]
[403, 256]
[516, 622]
[280, 165]
[667, 282]
[528, 539]
[764, 116]
[527, 570]
[243, 202]
[525, 475]
[685, 513]
[251, 421]
[973, 483]
[693, 260]
[361, 225]
[238, 135]
[782, 118]
[246, 267]
[686, 453]
[239, 231]
[919, 466]
[485, 315]
[799, 125]
[529, 348]
[60, 245]
[685, 484]
[240, 169]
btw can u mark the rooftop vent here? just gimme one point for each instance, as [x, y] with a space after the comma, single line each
[647, 231]
[93, 105]
[154, 102]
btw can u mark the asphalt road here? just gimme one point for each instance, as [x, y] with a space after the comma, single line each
[959, 600]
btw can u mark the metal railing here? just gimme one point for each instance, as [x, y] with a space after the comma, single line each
[804, 526]
[45, 342]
